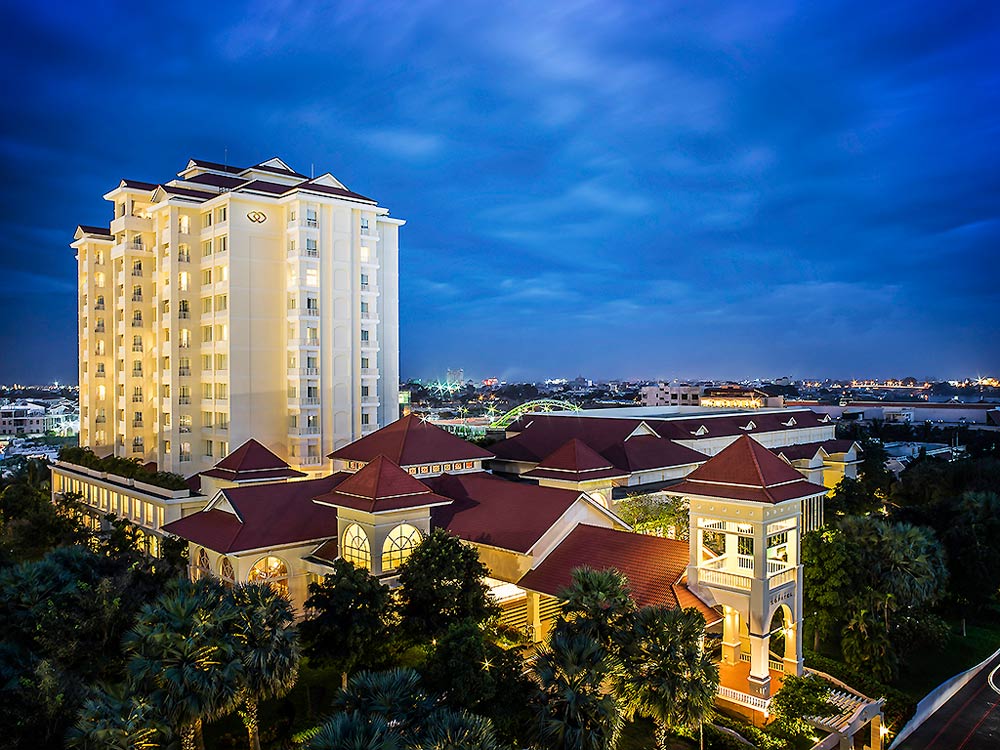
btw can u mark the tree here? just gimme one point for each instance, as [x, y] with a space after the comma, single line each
[441, 584]
[972, 541]
[395, 695]
[182, 653]
[598, 603]
[666, 673]
[265, 631]
[573, 709]
[660, 515]
[865, 643]
[456, 730]
[798, 698]
[471, 672]
[829, 575]
[851, 497]
[116, 720]
[348, 625]
[354, 731]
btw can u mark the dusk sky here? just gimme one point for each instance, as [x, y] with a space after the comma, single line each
[601, 188]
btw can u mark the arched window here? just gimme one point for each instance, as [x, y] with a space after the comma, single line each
[226, 572]
[598, 497]
[153, 545]
[356, 548]
[202, 566]
[398, 545]
[271, 570]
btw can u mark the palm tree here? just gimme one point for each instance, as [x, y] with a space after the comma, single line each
[574, 710]
[446, 729]
[354, 731]
[666, 673]
[182, 654]
[265, 630]
[116, 719]
[394, 695]
[597, 603]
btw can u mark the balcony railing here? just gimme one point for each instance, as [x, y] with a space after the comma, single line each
[303, 431]
[136, 323]
[309, 460]
[184, 371]
[183, 399]
[137, 347]
[137, 298]
[137, 272]
[303, 371]
[184, 314]
[98, 329]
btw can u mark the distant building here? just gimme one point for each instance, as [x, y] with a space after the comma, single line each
[455, 377]
[663, 394]
[25, 418]
[738, 397]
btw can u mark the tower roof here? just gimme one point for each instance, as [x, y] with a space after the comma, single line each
[380, 487]
[576, 461]
[411, 441]
[746, 470]
[251, 462]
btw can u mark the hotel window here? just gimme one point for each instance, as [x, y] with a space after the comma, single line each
[184, 422]
[364, 281]
[207, 389]
[206, 219]
[137, 395]
[364, 334]
[222, 244]
[206, 305]
[137, 268]
[185, 452]
[137, 318]
[222, 332]
[137, 343]
[183, 281]
[222, 302]
[364, 309]
[365, 418]
[100, 349]
[208, 449]
[226, 573]
[311, 218]
[223, 448]
[221, 421]
[744, 545]
[99, 256]
[206, 362]
[206, 419]
[206, 334]
[184, 340]
[184, 253]
[312, 277]
[356, 548]
[221, 390]
[364, 391]
[222, 273]
[137, 293]
[312, 304]
[99, 304]
[99, 280]
[221, 361]
[291, 246]
[272, 571]
[206, 277]
[184, 394]
[364, 225]
[365, 254]
[206, 248]
[402, 540]
[311, 248]
[364, 363]
[184, 224]
[312, 335]
[221, 214]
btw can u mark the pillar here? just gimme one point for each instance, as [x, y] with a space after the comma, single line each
[730, 635]
[792, 657]
[875, 739]
[759, 682]
[534, 619]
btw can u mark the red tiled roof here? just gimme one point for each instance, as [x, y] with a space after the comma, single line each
[575, 461]
[328, 551]
[252, 461]
[263, 167]
[409, 442]
[139, 185]
[654, 566]
[381, 486]
[746, 470]
[216, 180]
[270, 515]
[99, 231]
[263, 186]
[330, 190]
[217, 167]
[609, 437]
[808, 450]
[498, 512]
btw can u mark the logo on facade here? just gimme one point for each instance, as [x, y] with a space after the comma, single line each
[257, 217]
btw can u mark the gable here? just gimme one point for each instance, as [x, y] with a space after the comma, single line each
[329, 180]
[642, 429]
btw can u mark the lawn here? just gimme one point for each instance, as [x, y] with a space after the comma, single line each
[925, 669]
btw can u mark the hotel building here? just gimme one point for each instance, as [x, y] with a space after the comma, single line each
[237, 302]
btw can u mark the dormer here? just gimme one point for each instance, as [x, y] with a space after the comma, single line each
[751, 425]
[700, 432]
[642, 429]
[790, 423]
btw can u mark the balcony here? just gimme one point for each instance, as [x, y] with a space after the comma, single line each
[295, 431]
[137, 322]
[137, 272]
[309, 460]
[137, 423]
[184, 371]
[303, 401]
[184, 257]
[137, 348]
[306, 312]
[100, 420]
[304, 342]
[303, 371]
[99, 306]
[183, 400]
[184, 314]
[136, 399]
[369, 372]
[137, 298]
[128, 222]
[98, 329]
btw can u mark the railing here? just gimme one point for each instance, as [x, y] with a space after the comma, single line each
[136, 323]
[781, 578]
[98, 329]
[137, 298]
[369, 371]
[98, 374]
[184, 371]
[183, 399]
[743, 562]
[723, 578]
[312, 223]
[184, 314]
[303, 342]
[303, 371]
[137, 272]
[308, 312]
[303, 430]
[184, 257]
[744, 699]
[99, 306]
[137, 348]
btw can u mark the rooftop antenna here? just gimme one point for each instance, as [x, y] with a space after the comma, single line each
[225, 156]
[312, 170]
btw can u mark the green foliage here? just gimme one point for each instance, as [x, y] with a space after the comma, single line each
[31, 524]
[851, 498]
[761, 738]
[129, 468]
[666, 675]
[661, 515]
[470, 671]
[972, 540]
[116, 720]
[184, 655]
[597, 604]
[354, 731]
[348, 625]
[800, 697]
[441, 584]
[574, 709]
[830, 569]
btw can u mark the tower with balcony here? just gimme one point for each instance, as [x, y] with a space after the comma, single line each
[748, 511]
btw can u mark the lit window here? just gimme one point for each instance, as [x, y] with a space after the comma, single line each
[398, 545]
[270, 570]
[357, 550]
[226, 572]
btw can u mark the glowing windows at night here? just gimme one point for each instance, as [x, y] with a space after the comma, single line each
[226, 572]
[272, 571]
[356, 548]
[398, 546]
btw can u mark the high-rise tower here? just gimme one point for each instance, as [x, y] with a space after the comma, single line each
[237, 302]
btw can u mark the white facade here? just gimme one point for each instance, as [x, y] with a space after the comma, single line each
[237, 303]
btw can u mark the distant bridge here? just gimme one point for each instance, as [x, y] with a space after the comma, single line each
[539, 404]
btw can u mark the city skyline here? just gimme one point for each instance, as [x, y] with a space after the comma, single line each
[611, 189]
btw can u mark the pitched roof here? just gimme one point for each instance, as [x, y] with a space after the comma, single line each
[625, 443]
[267, 515]
[99, 231]
[379, 487]
[252, 461]
[746, 470]
[498, 512]
[575, 461]
[411, 441]
[808, 450]
[313, 186]
[654, 566]
[216, 166]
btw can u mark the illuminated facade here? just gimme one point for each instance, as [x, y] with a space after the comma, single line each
[233, 303]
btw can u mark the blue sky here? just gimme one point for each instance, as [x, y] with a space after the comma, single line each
[606, 188]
